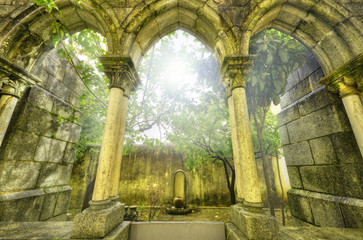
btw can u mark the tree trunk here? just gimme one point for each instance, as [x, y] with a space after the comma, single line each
[230, 183]
[265, 168]
[282, 191]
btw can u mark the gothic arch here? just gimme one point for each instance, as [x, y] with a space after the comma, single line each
[329, 30]
[29, 33]
[149, 23]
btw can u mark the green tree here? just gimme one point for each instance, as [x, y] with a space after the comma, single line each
[277, 55]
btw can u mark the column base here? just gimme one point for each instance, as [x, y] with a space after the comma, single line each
[98, 220]
[254, 224]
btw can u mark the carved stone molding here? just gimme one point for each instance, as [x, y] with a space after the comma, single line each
[235, 70]
[14, 79]
[121, 73]
[347, 79]
[13, 87]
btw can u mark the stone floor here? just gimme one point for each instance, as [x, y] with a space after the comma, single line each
[62, 230]
[35, 230]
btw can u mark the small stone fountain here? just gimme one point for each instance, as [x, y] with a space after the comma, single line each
[179, 206]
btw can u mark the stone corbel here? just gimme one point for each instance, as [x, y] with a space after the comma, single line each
[236, 69]
[121, 73]
[347, 79]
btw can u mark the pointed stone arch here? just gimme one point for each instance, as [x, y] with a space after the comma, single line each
[31, 28]
[149, 23]
[328, 29]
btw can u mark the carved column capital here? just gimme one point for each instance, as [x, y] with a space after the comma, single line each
[121, 73]
[235, 70]
[12, 86]
[347, 79]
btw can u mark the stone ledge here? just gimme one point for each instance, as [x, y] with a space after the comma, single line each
[308, 233]
[92, 223]
[255, 226]
[331, 211]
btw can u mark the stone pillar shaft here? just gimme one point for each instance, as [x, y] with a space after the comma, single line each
[7, 105]
[102, 187]
[252, 194]
[354, 108]
[116, 171]
[236, 157]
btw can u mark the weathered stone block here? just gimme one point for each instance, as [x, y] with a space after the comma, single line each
[70, 153]
[78, 117]
[21, 206]
[324, 179]
[330, 43]
[326, 210]
[69, 132]
[50, 199]
[74, 100]
[292, 80]
[49, 65]
[317, 100]
[15, 175]
[58, 89]
[287, 115]
[352, 209]
[300, 205]
[50, 150]
[315, 78]
[38, 121]
[294, 177]
[40, 98]
[53, 174]
[63, 109]
[21, 146]
[295, 93]
[298, 154]
[284, 136]
[255, 226]
[323, 151]
[93, 223]
[346, 148]
[63, 200]
[309, 67]
[317, 124]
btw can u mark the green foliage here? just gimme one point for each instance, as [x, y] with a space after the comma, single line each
[48, 4]
[271, 136]
[277, 55]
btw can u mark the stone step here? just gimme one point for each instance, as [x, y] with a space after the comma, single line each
[320, 233]
[177, 231]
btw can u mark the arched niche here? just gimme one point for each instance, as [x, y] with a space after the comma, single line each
[179, 184]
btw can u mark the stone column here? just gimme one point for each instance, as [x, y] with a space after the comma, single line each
[236, 69]
[9, 97]
[236, 157]
[119, 148]
[348, 81]
[104, 215]
[248, 217]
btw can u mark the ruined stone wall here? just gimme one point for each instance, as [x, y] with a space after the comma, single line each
[147, 167]
[37, 155]
[322, 157]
